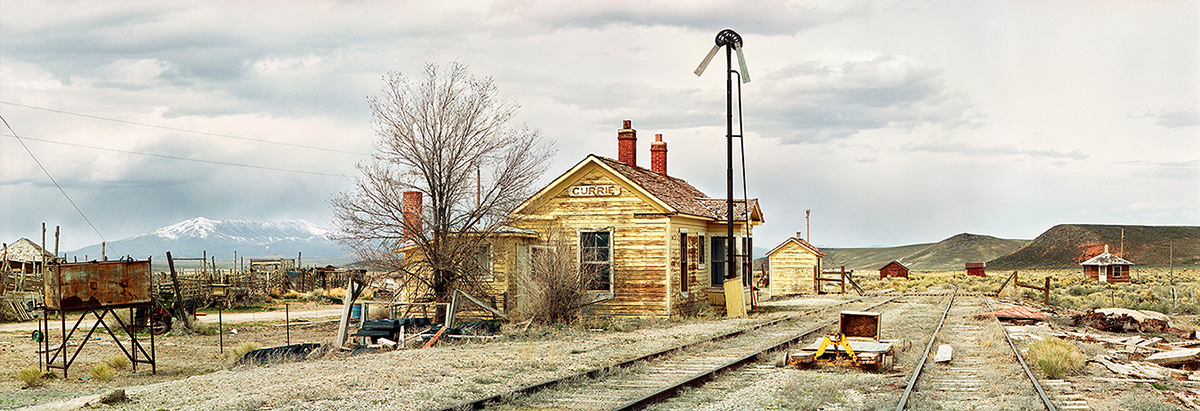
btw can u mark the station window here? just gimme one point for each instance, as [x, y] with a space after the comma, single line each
[595, 258]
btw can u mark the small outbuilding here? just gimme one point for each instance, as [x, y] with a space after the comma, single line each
[976, 269]
[1107, 268]
[893, 269]
[794, 265]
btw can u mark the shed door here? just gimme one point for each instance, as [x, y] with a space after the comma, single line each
[1103, 272]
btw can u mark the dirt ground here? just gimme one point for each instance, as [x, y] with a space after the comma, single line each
[178, 355]
[199, 357]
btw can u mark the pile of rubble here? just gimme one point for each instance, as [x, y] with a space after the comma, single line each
[1138, 358]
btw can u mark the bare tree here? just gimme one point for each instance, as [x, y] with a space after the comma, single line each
[448, 136]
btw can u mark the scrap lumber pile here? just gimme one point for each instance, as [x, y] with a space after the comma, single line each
[1125, 320]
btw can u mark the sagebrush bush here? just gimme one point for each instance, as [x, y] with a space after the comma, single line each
[1056, 358]
[30, 376]
[102, 372]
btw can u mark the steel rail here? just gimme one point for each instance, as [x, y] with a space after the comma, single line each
[1037, 386]
[704, 376]
[912, 382]
[499, 398]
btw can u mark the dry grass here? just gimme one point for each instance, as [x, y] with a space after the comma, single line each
[240, 350]
[1056, 358]
[118, 362]
[30, 376]
[102, 372]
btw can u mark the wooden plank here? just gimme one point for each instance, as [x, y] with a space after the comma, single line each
[1177, 356]
[944, 353]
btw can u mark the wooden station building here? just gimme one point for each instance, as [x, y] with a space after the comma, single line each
[794, 266]
[1107, 268]
[656, 244]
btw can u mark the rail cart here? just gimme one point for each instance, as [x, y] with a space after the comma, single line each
[855, 344]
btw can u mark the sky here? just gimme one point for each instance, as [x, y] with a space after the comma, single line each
[894, 122]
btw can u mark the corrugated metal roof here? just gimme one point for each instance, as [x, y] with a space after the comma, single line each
[1105, 260]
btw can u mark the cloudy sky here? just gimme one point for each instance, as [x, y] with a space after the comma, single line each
[895, 122]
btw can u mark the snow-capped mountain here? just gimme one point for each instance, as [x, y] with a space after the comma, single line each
[221, 238]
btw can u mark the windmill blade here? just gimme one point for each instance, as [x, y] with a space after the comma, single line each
[742, 64]
[707, 59]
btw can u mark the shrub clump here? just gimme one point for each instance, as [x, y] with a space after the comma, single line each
[242, 348]
[118, 362]
[31, 376]
[1056, 357]
[102, 372]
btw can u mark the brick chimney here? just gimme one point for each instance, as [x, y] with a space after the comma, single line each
[627, 144]
[412, 213]
[658, 155]
[799, 235]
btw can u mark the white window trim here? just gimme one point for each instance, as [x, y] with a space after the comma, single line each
[701, 251]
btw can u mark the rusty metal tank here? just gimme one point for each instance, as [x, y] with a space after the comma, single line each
[97, 285]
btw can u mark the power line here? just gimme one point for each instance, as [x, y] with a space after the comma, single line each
[206, 133]
[60, 189]
[170, 157]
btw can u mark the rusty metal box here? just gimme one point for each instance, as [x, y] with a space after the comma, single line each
[860, 324]
[98, 284]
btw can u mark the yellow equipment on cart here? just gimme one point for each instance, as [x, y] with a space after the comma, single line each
[856, 344]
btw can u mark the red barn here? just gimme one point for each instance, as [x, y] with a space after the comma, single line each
[976, 269]
[893, 269]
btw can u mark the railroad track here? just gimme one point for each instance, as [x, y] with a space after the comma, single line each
[637, 383]
[986, 371]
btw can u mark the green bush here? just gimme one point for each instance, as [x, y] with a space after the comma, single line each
[1056, 358]
[31, 376]
[102, 372]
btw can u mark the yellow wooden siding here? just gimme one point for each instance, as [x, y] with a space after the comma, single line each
[638, 242]
[697, 279]
[791, 270]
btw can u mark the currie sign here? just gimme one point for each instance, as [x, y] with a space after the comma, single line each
[595, 191]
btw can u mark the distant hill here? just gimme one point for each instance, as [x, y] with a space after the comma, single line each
[221, 238]
[868, 258]
[949, 254]
[1067, 245]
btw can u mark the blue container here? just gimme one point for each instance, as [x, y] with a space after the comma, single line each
[356, 312]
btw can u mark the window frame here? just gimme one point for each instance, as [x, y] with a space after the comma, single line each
[684, 276]
[596, 293]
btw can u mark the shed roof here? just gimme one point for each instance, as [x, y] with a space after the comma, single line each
[1106, 259]
[26, 250]
[893, 262]
[799, 242]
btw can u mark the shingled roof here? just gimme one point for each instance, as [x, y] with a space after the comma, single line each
[677, 193]
[1106, 259]
[25, 250]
